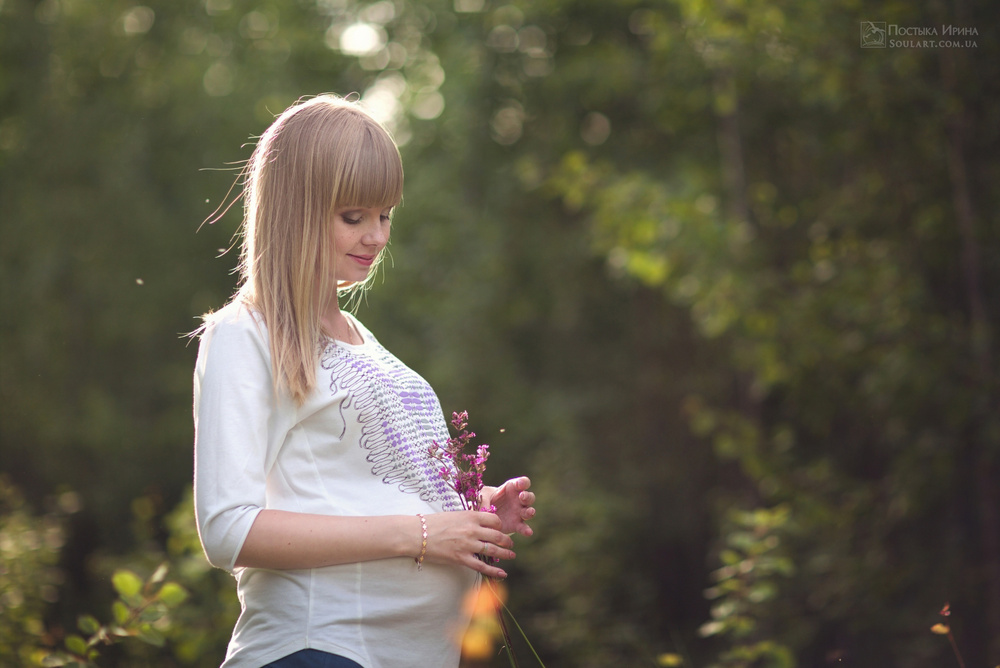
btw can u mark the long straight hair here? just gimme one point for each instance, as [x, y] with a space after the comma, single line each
[319, 155]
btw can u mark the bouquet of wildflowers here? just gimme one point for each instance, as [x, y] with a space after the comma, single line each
[464, 472]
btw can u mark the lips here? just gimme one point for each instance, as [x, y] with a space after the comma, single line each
[363, 260]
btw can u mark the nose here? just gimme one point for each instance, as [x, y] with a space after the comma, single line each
[377, 234]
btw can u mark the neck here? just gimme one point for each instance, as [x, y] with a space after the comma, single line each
[337, 326]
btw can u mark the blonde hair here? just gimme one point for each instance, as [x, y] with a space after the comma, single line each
[319, 155]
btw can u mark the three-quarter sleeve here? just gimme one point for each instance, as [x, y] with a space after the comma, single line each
[234, 413]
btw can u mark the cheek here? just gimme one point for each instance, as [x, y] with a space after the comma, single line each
[342, 240]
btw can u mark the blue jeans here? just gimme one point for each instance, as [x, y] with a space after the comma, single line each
[313, 658]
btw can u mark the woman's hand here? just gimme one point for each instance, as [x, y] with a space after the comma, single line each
[457, 537]
[513, 503]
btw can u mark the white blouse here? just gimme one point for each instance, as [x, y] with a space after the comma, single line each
[357, 446]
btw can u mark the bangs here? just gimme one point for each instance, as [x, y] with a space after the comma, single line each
[372, 173]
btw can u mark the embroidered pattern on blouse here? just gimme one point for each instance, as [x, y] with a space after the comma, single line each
[400, 417]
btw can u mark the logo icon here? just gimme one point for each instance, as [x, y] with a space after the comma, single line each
[873, 34]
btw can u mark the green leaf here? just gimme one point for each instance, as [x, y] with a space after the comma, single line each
[126, 583]
[76, 644]
[151, 636]
[761, 592]
[121, 612]
[172, 594]
[153, 613]
[730, 557]
[88, 624]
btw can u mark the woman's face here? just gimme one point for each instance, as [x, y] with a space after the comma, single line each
[359, 235]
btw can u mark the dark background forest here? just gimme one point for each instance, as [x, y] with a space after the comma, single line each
[721, 276]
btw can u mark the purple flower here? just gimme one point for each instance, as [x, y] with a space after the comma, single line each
[463, 471]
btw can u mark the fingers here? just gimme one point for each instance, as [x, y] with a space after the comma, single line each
[493, 546]
[486, 519]
[521, 485]
[527, 510]
[477, 539]
[489, 570]
[518, 486]
[493, 551]
[514, 505]
[457, 537]
[491, 555]
[499, 545]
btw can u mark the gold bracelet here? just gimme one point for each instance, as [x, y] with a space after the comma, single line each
[423, 542]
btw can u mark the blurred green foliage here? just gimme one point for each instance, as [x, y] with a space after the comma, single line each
[140, 612]
[722, 282]
[29, 577]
